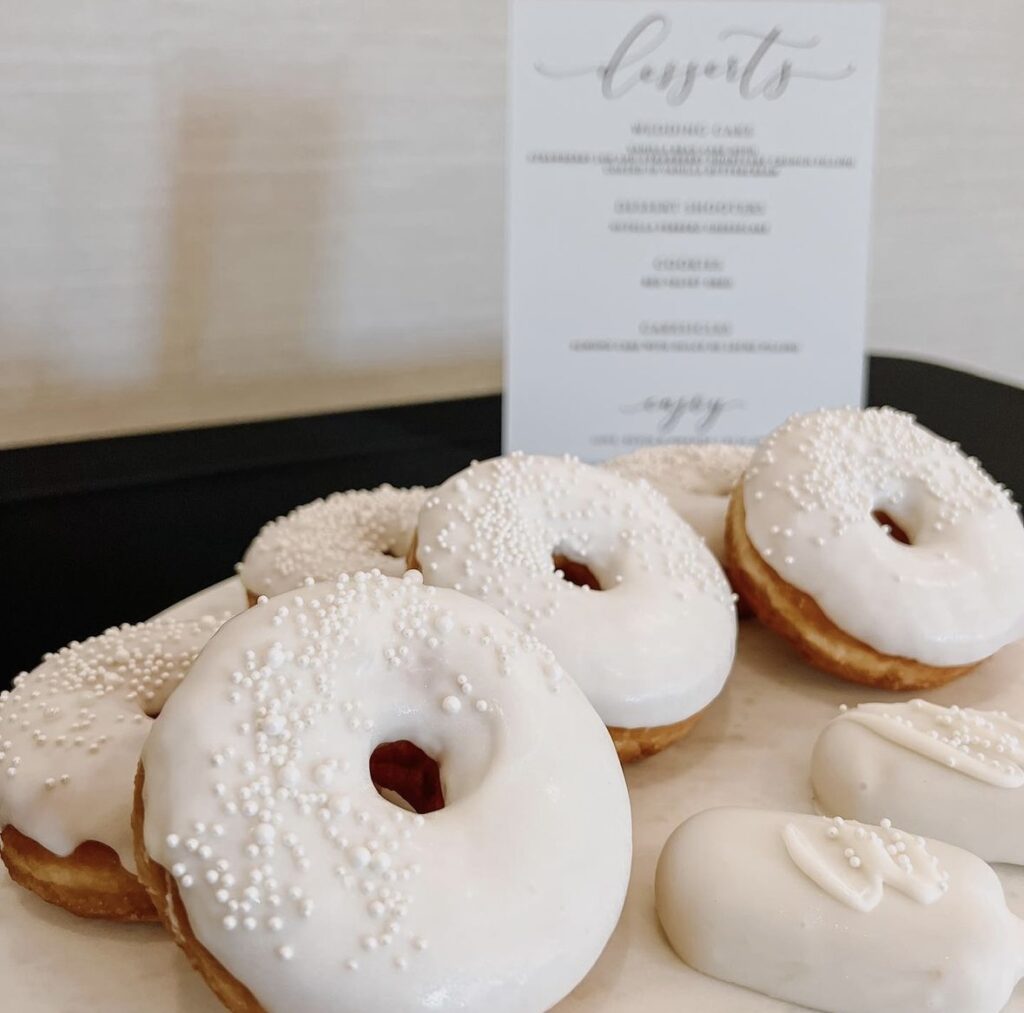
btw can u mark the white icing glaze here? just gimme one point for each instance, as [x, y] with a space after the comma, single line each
[316, 892]
[952, 597]
[984, 746]
[364, 529]
[946, 772]
[736, 905]
[651, 649]
[695, 478]
[854, 862]
[71, 731]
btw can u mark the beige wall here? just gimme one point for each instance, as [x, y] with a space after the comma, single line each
[265, 207]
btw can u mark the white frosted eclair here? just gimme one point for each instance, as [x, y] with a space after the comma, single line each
[837, 915]
[947, 772]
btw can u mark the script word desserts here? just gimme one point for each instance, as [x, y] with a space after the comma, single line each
[946, 772]
[837, 915]
[601, 570]
[364, 529]
[696, 479]
[881, 551]
[71, 732]
[292, 884]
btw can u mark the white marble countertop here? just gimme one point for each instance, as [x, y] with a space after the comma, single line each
[751, 748]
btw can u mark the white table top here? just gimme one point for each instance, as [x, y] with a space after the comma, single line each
[751, 748]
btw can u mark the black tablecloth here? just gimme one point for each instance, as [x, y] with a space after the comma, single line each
[107, 531]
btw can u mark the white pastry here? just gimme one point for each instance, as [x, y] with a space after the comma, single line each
[319, 895]
[816, 496]
[363, 529]
[696, 479]
[838, 916]
[946, 772]
[654, 646]
[71, 731]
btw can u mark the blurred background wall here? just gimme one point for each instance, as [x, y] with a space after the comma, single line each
[249, 208]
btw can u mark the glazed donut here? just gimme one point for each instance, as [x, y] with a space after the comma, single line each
[696, 479]
[292, 884]
[600, 569]
[837, 915]
[70, 736]
[881, 551]
[364, 529]
[951, 773]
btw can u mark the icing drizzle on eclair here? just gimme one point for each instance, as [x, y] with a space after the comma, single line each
[854, 862]
[985, 745]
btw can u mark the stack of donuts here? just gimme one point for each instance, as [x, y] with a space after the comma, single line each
[395, 781]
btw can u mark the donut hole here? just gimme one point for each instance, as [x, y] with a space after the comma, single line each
[575, 572]
[887, 523]
[403, 773]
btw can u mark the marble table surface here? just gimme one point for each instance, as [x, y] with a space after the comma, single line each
[751, 748]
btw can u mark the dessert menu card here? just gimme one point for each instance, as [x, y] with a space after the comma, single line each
[689, 198]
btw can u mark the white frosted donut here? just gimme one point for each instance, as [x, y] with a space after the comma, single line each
[363, 529]
[952, 597]
[837, 915]
[651, 649]
[315, 892]
[946, 772]
[71, 731]
[696, 479]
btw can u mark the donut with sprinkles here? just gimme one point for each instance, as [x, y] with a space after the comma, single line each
[602, 570]
[71, 732]
[294, 880]
[881, 551]
[696, 479]
[362, 529]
